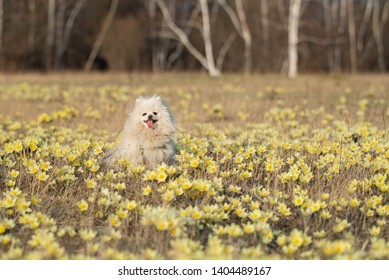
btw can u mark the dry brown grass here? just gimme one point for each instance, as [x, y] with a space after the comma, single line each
[244, 111]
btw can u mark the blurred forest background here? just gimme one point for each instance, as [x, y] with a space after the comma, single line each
[266, 36]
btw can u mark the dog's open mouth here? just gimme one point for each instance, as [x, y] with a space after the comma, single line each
[150, 123]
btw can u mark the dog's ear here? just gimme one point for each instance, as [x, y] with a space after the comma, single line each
[139, 99]
[158, 98]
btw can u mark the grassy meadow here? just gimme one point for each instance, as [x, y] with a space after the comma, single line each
[268, 168]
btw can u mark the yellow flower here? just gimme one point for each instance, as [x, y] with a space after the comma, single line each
[162, 225]
[248, 228]
[2, 228]
[88, 163]
[14, 173]
[87, 234]
[147, 190]
[18, 146]
[120, 186]
[265, 193]
[325, 214]
[269, 167]
[114, 221]
[374, 231]
[9, 202]
[161, 176]
[95, 168]
[296, 238]
[171, 170]
[131, 205]
[169, 195]
[255, 215]
[196, 214]
[194, 163]
[212, 169]
[281, 240]
[298, 201]
[33, 169]
[90, 183]
[354, 202]
[71, 157]
[83, 205]
[315, 207]
[42, 176]
[246, 174]
[150, 176]
[284, 210]
[11, 183]
[45, 166]
[9, 148]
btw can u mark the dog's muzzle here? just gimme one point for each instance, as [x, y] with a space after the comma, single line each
[150, 122]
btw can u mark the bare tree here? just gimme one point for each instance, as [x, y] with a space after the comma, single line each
[152, 8]
[206, 61]
[377, 34]
[32, 25]
[265, 32]
[207, 39]
[59, 34]
[328, 31]
[50, 34]
[363, 28]
[100, 38]
[161, 45]
[64, 31]
[166, 50]
[294, 19]
[239, 21]
[338, 15]
[352, 36]
[187, 28]
[70, 22]
[246, 35]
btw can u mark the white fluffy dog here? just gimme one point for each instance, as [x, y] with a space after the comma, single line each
[148, 135]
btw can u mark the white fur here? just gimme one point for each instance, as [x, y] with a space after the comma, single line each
[143, 145]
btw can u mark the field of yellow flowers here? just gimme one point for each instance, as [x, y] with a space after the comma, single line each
[268, 168]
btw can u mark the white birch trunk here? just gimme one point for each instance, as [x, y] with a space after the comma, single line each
[50, 34]
[363, 27]
[352, 36]
[246, 35]
[70, 23]
[265, 34]
[328, 32]
[238, 19]
[207, 39]
[377, 37]
[67, 30]
[100, 38]
[152, 8]
[207, 62]
[59, 34]
[32, 25]
[294, 19]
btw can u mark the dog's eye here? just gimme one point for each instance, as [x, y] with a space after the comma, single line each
[144, 114]
[155, 113]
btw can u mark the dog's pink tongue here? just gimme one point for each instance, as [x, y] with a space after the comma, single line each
[150, 124]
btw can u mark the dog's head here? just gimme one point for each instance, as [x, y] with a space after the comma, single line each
[149, 111]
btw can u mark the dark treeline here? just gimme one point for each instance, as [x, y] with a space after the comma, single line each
[263, 36]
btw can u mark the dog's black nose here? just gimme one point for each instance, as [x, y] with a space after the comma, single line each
[150, 116]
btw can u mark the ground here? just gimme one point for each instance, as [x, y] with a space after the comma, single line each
[269, 168]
